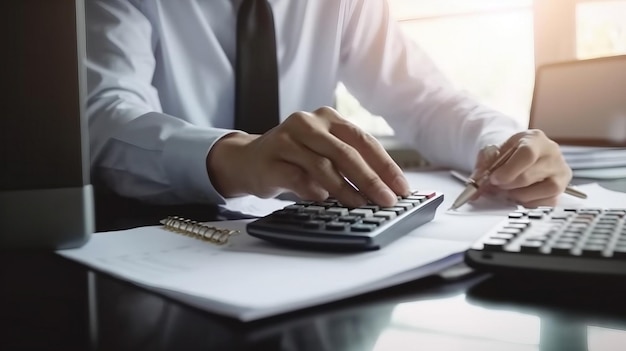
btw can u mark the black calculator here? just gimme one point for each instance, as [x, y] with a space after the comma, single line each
[330, 226]
[553, 240]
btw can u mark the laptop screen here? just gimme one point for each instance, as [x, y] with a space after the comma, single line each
[582, 102]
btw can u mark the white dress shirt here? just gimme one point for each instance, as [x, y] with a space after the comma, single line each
[161, 86]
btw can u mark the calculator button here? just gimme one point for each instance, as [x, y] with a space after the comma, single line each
[502, 236]
[592, 250]
[313, 224]
[324, 217]
[594, 241]
[513, 231]
[516, 215]
[494, 244]
[562, 248]
[326, 204]
[545, 209]
[601, 231]
[397, 210]
[519, 227]
[419, 198]
[314, 209]
[361, 212]
[535, 215]
[348, 219]
[339, 211]
[406, 205]
[301, 216]
[374, 220]
[293, 208]
[566, 241]
[336, 225]
[620, 252]
[373, 208]
[385, 214]
[360, 227]
[428, 195]
[531, 246]
[523, 221]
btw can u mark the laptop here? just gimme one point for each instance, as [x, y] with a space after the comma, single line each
[582, 102]
[46, 200]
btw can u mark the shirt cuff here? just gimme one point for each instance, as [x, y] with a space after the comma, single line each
[185, 156]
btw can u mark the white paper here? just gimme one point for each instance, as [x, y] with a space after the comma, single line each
[250, 278]
[254, 206]
[256, 278]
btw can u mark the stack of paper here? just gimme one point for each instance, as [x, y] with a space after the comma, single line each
[596, 162]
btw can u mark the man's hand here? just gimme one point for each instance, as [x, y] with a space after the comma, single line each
[314, 155]
[535, 175]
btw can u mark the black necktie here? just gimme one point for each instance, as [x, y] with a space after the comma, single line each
[256, 71]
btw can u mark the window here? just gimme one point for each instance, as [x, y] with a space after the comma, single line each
[600, 29]
[484, 46]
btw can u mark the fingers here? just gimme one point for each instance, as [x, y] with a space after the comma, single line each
[536, 173]
[379, 179]
[486, 157]
[544, 193]
[322, 170]
[374, 155]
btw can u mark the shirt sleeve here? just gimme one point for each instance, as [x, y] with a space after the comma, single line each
[136, 149]
[394, 78]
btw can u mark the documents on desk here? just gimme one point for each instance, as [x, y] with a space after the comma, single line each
[596, 162]
[250, 279]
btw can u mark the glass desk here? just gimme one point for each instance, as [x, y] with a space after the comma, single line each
[49, 303]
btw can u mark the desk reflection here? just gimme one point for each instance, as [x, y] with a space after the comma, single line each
[48, 303]
[133, 319]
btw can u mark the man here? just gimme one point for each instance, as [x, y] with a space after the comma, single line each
[161, 107]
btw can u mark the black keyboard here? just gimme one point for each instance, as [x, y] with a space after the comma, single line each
[588, 240]
[330, 226]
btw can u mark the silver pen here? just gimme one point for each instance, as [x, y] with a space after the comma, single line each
[473, 185]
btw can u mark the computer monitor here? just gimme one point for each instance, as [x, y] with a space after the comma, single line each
[46, 198]
[582, 102]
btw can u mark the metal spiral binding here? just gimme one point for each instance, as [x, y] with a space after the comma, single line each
[198, 230]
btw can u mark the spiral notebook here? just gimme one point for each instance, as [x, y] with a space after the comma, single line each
[247, 278]
[197, 230]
